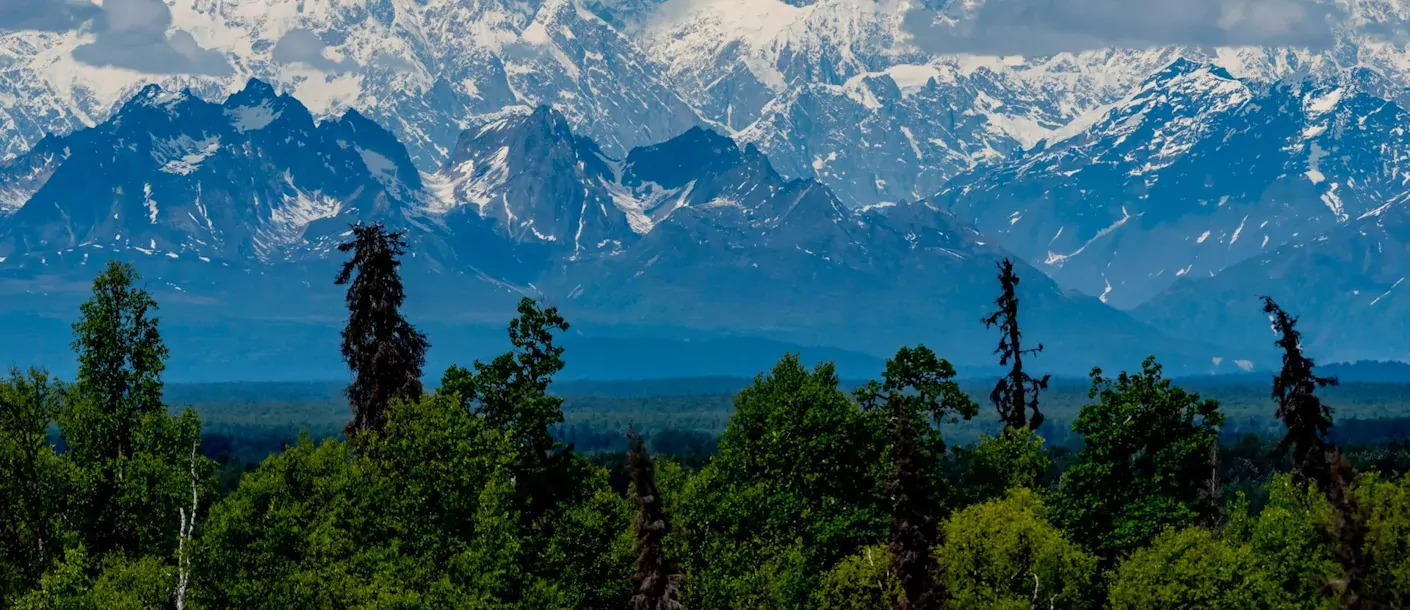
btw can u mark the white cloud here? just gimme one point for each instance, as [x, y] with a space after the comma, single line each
[304, 47]
[45, 15]
[1043, 27]
[133, 34]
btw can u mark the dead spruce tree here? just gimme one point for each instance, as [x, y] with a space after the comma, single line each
[383, 350]
[1017, 392]
[1316, 459]
[657, 581]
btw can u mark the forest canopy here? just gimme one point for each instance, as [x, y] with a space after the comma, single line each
[814, 496]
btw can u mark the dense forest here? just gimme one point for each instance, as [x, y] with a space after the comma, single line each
[479, 493]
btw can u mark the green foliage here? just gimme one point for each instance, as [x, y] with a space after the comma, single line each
[919, 393]
[425, 517]
[865, 581]
[1385, 509]
[794, 488]
[109, 520]
[511, 391]
[1005, 554]
[117, 582]
[1146, 463]
[35, 483]
[511, 394]
[1273, 560]
[997, 464]
[1190, 568]
[121, 357]
[590, 551]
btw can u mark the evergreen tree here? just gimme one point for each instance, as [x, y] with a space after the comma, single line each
[1315, 459]
[384, 351]
[1304, 414]
[913, 529]
[1017, 392]
[918, 389]
[657, 581]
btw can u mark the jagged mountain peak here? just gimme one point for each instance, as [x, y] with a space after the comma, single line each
[249, 180]
[698, 152]
[1192, 173]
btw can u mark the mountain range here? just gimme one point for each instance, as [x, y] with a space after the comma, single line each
[808, 172]
[234, 209]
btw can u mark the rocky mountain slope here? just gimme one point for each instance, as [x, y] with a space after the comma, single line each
[1349, 286]
[1194, 172]
[233, 210]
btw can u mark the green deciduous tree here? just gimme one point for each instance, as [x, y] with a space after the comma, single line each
[34, 482]
[1272, 560]
[121, 357]
[135, 464]
[420, 515]
[997, 464]
[1144, 465]
[117, 581]
[1005, 554]
[794, 488]
[510, 393]
[1383, 504]
[865, 581]
[384, 351]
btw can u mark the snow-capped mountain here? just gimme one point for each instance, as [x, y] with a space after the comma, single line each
[899, 135]
[702, 233]
[1350, 286]
[803, 79]
[253, 179]
[1193, 172]
[235, 208]
[421, 67]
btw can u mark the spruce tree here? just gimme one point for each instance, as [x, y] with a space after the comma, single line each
[384, 351]
[1304, 414]
[1017, 392]
[913, 528]
[657, 581]
[919, 393]
[1315, 458]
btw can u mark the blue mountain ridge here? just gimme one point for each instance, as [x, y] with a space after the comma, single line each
[233, 212]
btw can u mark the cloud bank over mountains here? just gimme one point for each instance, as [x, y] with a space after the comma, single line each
[45, 15]
[1045, 27]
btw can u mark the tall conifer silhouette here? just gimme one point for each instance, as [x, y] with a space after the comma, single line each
[657, 581]
[919, 393]
[913, 531]
[1316, 459]
[1017, 392]
[383, 350]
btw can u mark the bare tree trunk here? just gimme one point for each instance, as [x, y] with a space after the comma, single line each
[183, 551]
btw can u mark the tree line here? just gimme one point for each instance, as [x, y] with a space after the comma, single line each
[813, 497]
